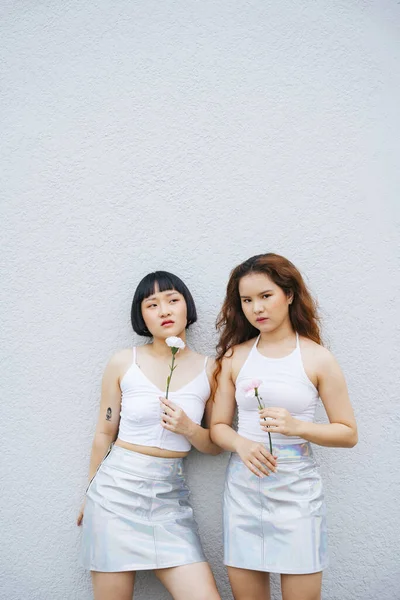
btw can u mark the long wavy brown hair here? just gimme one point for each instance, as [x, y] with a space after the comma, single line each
[233, 326]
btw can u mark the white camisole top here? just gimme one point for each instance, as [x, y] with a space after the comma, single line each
[140, 416]
[284, 385]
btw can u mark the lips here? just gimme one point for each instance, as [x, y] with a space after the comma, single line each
[262, 319]
[169, 322]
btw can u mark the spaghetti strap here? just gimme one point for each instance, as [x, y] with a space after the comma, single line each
[134, 355]
[256, 342]
[297, 340]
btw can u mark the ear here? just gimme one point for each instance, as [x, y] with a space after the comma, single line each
[290, 298]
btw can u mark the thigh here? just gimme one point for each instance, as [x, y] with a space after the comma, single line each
[249, 585]
[194, 581]
[301, 587]
[113, 586]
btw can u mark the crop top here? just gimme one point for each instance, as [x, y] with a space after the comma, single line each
[140, 416]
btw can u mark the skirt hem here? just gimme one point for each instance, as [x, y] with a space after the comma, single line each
[280, 572]
[146, 567]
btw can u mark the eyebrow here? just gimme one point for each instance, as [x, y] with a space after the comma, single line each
[260, 294]
[154, 298]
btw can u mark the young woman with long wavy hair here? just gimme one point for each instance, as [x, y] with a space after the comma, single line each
[272, 366]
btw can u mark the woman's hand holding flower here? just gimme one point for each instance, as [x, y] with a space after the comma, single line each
[175, 419]
[279, 420]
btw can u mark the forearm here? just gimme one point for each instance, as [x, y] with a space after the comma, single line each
[100, 445]
[200, 438]
[225, 437]
[336, 435]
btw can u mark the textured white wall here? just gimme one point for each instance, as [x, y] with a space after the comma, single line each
[188, 136]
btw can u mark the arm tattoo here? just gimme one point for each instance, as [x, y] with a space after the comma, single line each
[109, 414]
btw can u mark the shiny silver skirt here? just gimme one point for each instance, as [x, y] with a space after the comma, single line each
[138, 516]
[276, 524]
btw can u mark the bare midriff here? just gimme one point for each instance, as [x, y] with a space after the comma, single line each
[150, 450]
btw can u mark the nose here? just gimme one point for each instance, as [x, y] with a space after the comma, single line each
[165, 310]
[257, 308]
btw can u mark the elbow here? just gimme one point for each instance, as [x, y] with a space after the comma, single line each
[216, 436]
[212, 449]
[352, 439]
[101, 438]
[213, 431]
[215, 450]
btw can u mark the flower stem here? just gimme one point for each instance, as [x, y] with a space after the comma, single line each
[169, 378]
[270, 443]
[261, 405]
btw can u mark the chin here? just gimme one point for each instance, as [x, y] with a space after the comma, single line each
[265, 327]
[166, 333]
[262, 326]
[171, 332]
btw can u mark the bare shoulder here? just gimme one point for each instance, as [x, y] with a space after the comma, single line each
[241, 351]
[237, 353]
[197, 357]
[239, 356]
[320, 356]
[120, 360]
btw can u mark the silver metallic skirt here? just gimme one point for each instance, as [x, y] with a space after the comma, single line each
[276, 524]
[138, 516]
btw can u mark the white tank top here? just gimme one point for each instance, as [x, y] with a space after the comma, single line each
[284, 384]
[140, 421]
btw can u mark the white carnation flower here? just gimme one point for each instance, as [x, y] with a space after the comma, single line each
[175, 342]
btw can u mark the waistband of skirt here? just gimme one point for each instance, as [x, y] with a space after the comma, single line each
[150, 467]
[288, 452]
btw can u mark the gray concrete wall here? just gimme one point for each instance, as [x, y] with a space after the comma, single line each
[189, 136]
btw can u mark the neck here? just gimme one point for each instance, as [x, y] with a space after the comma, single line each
[160, 348]
[280, 334]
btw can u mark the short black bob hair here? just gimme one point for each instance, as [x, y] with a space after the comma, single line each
[165, 281]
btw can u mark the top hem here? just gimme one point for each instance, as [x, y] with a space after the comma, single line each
[154, 446]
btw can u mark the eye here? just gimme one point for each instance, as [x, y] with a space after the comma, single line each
[174, 300]
[151, 305]
[246, 300]
[266, 295]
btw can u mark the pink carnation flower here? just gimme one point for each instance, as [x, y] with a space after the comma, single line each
[251, 387]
